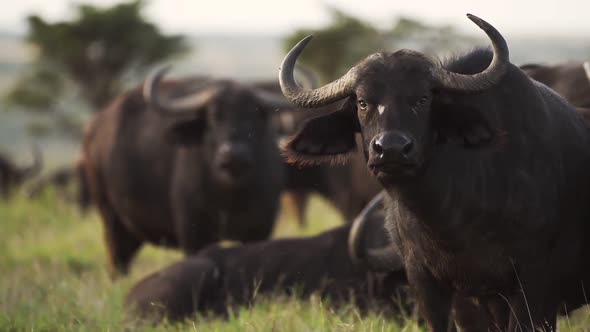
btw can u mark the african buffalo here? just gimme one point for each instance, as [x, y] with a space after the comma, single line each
[218, 279]
[184, 165]
[486, 173]
[11, 175]
[570, 80]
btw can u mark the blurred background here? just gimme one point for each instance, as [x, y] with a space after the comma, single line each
[60, 61]
[63, 60]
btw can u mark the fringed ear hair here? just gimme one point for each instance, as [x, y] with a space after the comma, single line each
[324, 139]
[295, 156]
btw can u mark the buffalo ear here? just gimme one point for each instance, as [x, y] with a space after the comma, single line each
[325, 139]
[186, 132]
[465, 125]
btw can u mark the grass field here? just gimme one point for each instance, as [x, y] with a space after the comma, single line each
[53, 278]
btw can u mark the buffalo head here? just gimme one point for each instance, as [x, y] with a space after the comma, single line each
[392, 99]
[230, 121]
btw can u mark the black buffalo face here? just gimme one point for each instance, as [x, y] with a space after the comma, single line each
[400, 103]
[229, 121]
[236, 129]
[393, 109]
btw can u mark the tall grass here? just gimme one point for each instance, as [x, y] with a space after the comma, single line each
[53, 278]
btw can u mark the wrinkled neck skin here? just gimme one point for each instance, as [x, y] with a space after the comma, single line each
[514, 188]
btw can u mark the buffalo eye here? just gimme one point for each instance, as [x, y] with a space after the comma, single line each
[362, 104]
[422, 100]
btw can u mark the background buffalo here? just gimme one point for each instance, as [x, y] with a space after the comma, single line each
[187, 172]
[12, 176]
[220, 279]
[570, 80]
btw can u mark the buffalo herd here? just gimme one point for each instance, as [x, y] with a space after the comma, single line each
[463, 184]
[217, 279]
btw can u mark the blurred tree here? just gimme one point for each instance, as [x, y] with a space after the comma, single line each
[430, 39]
[406, 26]
[37, 89]
[94, 51]
[340, 45]
[38, 129]
[347, 40]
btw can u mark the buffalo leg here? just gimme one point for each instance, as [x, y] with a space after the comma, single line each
[121, 244]
[260, 232]
[300, 200]
[535, 307]
[194, 231]
[521, 320]
[470, 315]
[433, 299]
[499, 311]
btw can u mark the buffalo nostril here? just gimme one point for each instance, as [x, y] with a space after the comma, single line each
[378, 148]
[407, 148]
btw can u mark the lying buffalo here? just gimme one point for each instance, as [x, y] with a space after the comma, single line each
[486, 173]
[184, 165]
[12, 176]
[218, 279]
[571, 80]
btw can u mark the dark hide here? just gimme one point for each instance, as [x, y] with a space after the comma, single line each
[568, 79]
[159, 178]
[219, 279]
[12, 175]
[492, 202]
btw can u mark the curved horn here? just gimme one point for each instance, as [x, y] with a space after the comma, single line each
[485, 79]
[383, 259]
[205, 92]
[586, 66]
[324, 95]
[36, 166]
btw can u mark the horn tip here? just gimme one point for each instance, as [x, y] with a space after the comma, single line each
[480, 22]
[153, 78]
[158, 72]
[586, 66]
[303, 42]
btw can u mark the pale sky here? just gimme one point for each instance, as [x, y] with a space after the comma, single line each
[515, 17]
